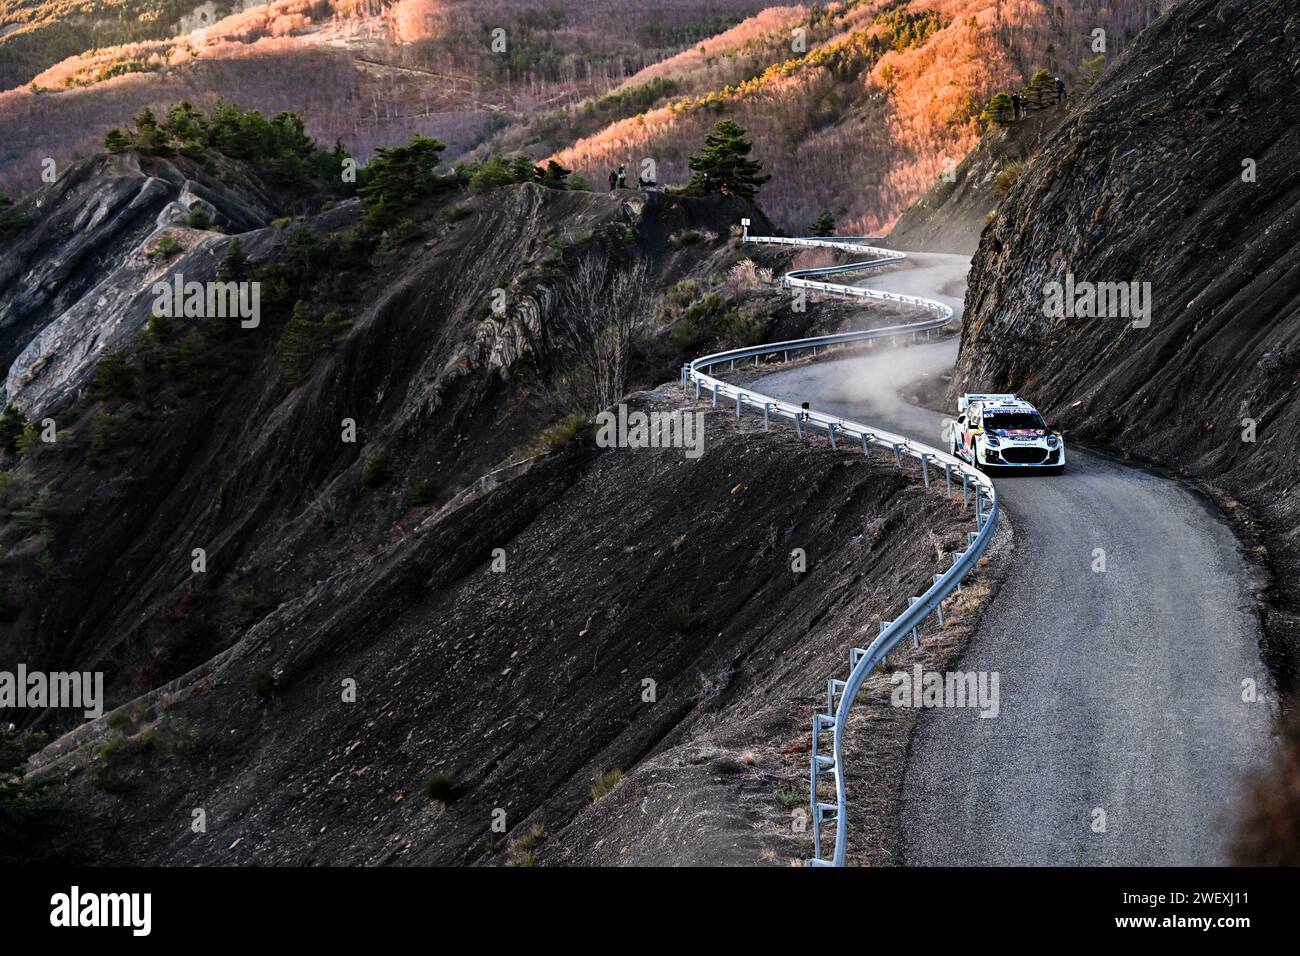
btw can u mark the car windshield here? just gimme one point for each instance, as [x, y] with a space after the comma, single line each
[1013, 421]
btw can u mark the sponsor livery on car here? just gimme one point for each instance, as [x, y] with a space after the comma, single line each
[1002, 430]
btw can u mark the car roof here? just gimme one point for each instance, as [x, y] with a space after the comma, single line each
[1004, 406]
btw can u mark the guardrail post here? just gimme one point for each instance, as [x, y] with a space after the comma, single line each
[947, 474]
[938, 608]
[697, 389]
[739, 396]
[866, 448]
[767, 408]
[798, 424]
[898, 455]
[715, 396]
[955, 559]
[830, 430]
[733, 365]
[785, 355]
[925, 469]
[916, 641]
[965, 486]
[833, 688]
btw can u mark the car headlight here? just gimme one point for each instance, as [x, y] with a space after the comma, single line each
[992, 441]
[1053, 441]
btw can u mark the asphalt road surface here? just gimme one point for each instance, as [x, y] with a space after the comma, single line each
[1122, 736]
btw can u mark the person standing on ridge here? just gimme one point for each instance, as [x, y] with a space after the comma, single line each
[613, 180]
[1060, 90]
[1015, 106]
[622, 176]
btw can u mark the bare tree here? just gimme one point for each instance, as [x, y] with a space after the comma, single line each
[602, 311]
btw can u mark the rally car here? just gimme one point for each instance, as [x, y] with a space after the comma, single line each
[1005, 431]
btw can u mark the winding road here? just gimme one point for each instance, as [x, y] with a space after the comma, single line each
[1122, 736]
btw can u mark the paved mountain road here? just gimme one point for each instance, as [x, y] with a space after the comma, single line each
[1120, 691]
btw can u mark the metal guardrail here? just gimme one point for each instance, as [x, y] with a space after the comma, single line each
[976, 486]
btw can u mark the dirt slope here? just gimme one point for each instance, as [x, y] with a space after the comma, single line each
[523, 685]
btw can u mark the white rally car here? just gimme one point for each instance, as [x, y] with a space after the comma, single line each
[1005, 431]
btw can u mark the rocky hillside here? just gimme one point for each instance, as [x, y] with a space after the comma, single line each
[952, 215]
[201, 434]
[658, 637]
[1177, 171]
[346, 673]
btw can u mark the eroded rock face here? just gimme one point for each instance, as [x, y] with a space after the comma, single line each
[1150, 183]
[77, 281]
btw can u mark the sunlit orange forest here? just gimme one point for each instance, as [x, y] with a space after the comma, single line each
[854, 107]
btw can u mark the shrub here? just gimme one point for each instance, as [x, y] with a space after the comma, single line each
[159, 327]
[304, 339]
[10, 221]
[262, 683]
[29, 441]
[376, 470]
[680, 618]
[604, 782]
[12, 423]
[106, 433]
[198, 217]
[1007, 176]
[234, 265]
[689, 237]
[116, 141]
[491, 173]
[166, 247]
[455, 213]
[438, 786]
[37, 517]
[113, 378]
[520, 851]
[563, 431]
[420, 493]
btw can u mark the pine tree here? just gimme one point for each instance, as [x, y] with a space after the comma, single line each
[825, 224]
[522, 170]
[725, 163]
[197, 217]
[1090, 71]
[234, 264]
[399, 175]
[149, 136]
[999, 111]
[1043, 85]
[116, 141]
[555, 176]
